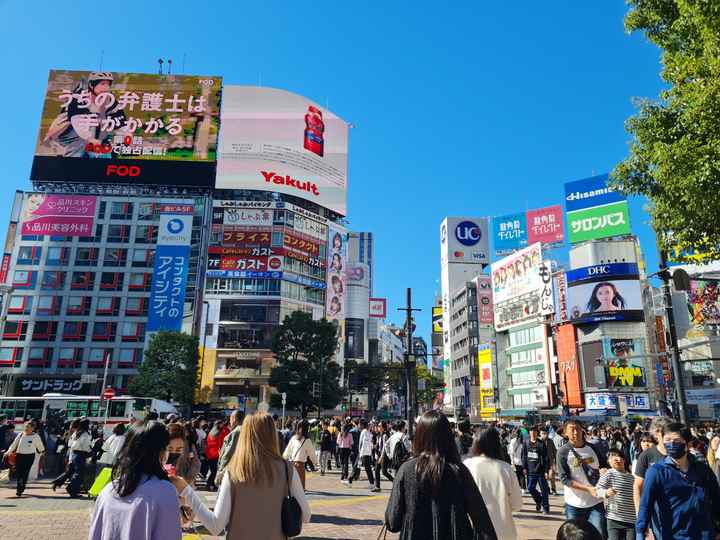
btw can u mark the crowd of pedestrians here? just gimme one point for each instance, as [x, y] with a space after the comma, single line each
[638, 481]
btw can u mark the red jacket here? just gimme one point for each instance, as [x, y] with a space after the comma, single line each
[213, 444]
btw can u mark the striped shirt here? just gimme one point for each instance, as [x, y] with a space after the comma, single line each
[620, 507]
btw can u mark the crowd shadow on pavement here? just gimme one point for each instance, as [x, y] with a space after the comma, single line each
[340, 520]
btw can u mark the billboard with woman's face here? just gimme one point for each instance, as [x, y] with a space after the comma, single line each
[604, 293]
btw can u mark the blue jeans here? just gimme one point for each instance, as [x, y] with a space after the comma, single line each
[542, 497]
[594, 514]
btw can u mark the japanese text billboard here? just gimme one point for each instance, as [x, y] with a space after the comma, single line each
[605, 292]
[545, 225]
[625, 362]
[59, 215]
[274, 140]
[509, 233]
[599, 222]
[243, 217]
[336, 269]
[128, 128]
[172, 259]
[243, 236]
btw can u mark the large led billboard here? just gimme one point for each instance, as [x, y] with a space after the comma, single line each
[605, 292]
[128, 128]
[274, 140]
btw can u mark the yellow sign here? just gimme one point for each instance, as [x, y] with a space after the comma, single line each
[437, 317]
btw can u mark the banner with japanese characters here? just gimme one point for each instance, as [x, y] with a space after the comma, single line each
[545, 225]
[509, 234]
[58, 215]
[274, 140]
[172, 259]
[128, 128]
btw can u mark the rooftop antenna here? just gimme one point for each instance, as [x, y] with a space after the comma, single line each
[160, 61]
[169, 66]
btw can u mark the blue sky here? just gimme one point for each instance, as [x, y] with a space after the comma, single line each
[478, 109]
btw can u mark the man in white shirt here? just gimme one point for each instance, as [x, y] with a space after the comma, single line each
[26, 445]
[399, 434]
[365, 449]
[580, 468]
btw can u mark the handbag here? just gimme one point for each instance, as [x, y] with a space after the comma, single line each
[290, 513]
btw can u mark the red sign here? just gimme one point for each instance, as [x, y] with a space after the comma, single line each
[303, 257]
[245, 251]
[255, 264]
[108, 393]
[545, 225]
[4, 267]
[236, 237]
[378, 308]
[568, 366]
[301, 244]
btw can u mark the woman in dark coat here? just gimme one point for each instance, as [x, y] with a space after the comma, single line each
[434, 496]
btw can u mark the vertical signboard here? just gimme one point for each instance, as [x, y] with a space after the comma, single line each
[336, 271]
[545, 225]
[172, 259]
[509, 233]
[378, 308]
[568, 366]
[484, 299]
[58, 215]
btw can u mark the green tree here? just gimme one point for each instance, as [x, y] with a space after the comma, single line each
[168, 368]
[433, 384]
[304, 349]
[674, 157]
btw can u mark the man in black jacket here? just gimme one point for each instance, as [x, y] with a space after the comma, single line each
[535, 463]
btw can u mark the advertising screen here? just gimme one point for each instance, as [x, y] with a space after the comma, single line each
[609, 300]
[437, 319]
[485, 368]
[509, 233]
[545, 225]
[465, 240]
[128, 128]
[625, 362]
[336, 269]
[354, 338]
[274, 140]
[704, 303]
[58, 215]
[517, 274]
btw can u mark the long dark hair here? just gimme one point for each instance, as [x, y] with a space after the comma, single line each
[140, 456]
[434, 446]
[487, 443]
[618, 301]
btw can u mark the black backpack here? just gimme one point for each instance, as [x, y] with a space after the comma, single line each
[400, 455]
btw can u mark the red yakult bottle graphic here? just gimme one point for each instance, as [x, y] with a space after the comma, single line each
[314, 128]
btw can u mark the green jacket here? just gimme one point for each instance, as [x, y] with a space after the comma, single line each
[226, 452]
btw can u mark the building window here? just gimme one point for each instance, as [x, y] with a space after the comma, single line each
[24, 279]
[115, 257]
[79, 305]
[121, 210]
[74, 331]
[147, 211]
[49, 305]
[143, 258]
[129, 358]
[70, 357]
[58, 256]
[39, 357]
[44, 331]
[133, 331]
[15, 330]
[82, 281]
[20, 305]
[118, 233]
[104, 331]
[140, 282]
[53, 280]
[136, 307]
[111, 281]
[146, 234]
[29, 255]
[86, 256]
[108, 306]
[97, 357]
[98, 234]
[10, 356]
[101, 209]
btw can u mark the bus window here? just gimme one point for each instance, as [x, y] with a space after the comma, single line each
[118, 408]
[35, 409]
[76, 409]
[13, 408]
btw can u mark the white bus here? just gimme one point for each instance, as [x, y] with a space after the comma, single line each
[58, 408]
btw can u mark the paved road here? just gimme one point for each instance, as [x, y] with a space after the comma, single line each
[339, 512]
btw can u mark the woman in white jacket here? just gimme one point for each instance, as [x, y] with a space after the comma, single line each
[300, 449]
[496, 481]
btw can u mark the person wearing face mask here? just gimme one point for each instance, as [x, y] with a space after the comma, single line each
[141, 502]
[680, 494]
[180, 460]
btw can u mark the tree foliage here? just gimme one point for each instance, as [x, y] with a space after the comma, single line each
[674, 156]
[168, 368]
[433, 384]
[301, 346]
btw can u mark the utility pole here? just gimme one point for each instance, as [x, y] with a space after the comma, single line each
[664, 274]
[409, 363]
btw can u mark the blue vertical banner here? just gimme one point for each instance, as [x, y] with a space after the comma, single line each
[509, 233]
[172, 260]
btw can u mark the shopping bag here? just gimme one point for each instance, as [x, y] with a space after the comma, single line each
[102, 480]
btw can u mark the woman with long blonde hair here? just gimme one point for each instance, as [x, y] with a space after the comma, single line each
[713, 454]
[257, 481]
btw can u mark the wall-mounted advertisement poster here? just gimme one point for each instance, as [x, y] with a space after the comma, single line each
[58, 215]
[128, 128]
[509, 233]
[625, 362]
[606, 292]
[336, 272]
[545, 225]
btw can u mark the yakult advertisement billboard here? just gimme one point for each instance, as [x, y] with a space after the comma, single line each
[274, 140]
